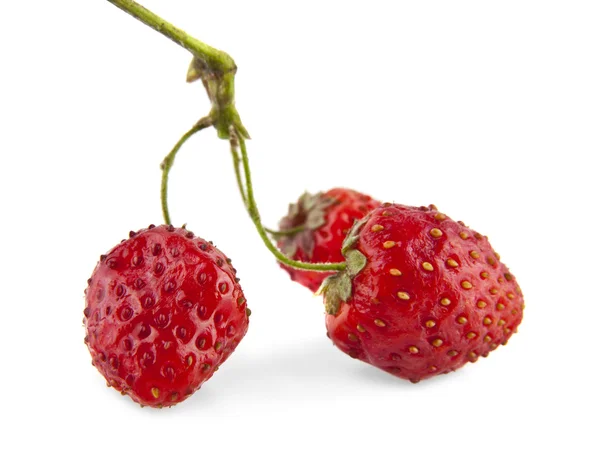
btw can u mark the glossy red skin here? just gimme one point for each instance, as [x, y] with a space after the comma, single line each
[350, 206]
[374, 296]
[164, 310]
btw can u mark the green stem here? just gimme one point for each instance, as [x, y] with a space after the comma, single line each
[236, 166]
[168, 163]
[255, 216]
[215, 59]
[285, 233]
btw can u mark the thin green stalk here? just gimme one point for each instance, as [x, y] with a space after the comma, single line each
[285, 233]
[215, 59]
[255, 216]
[167, 163]
[236, 166]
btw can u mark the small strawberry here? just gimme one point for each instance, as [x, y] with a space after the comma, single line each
[163, 310]
[316, 226]
[421, 294]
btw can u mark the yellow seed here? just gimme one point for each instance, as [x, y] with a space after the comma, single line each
[437, 342]
[190, 359]
[352, 337]
[513, 312]
[481, 304]
[430, 323]
[379, 323]
[484, 275]
[395, 272]
[462, 320]
[440, 216]
[523, 306]
[403, 295]
[388, 244]
[487, 338]
[360, 328]
[386, 214]
[494, 291]
[452, 353]
[491, 261]
[155, 392]
[445, 302]
[466, 285]
[487, 321]
[433, 368]
[436, 233]
[501, 322]
[474, 254]
[510, 295]
[452, 263]
[507, 331]
[376, 228]
[497, 256]
[463, 235]
[218, 346]
[500, 306]
[413, 350]
[174, 396]
[427, 266]
[472, 355]
[471, 335]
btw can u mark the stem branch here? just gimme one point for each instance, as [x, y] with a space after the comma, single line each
[255, 216]
[167, 163]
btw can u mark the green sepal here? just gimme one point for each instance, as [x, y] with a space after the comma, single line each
[355, 262]
[335, 290]
[352, 237]
[338, 288]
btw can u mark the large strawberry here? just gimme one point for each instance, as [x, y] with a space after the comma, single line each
[316, 226]
[421, 295]
[163, 310]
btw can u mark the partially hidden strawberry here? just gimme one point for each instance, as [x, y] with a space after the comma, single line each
[317, 225]
[421, 295]
[164, 310]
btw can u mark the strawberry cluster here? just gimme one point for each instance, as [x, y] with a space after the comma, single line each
[406, 289]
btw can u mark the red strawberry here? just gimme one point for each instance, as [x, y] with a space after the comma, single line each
[422, 294]
[318, 224]
[163, 310]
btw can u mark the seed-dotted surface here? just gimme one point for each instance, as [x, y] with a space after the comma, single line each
[163, 310]
[423, 305]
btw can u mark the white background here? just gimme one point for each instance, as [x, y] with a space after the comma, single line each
[490, 110]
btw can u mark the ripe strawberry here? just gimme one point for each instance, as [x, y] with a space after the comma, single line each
[163, 310]
[319, 224]
[422, 294]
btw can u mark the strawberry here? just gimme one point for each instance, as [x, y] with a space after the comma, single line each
[163, 310]
[316, 226]
[421, 294]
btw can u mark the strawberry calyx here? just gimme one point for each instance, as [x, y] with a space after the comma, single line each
[303, 218]
[338, 288]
